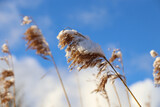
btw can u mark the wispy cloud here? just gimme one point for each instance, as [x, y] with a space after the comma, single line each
[9, 23]
[94, 16]
[48, 92]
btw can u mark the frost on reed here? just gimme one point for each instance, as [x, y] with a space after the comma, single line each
[156, 65]
[82, 53]
[7, 80]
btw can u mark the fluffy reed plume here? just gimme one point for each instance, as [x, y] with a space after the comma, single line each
[36, 41]
[101, 87]
[117, 55]
[26, 20]
[7, 80]
[153, 53]
[83, 53]
[156, 70]
[102, 83]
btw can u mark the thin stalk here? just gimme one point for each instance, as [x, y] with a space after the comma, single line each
[14, 86]
[79, 89]
[66, 96]
[123, 82]
[117, 95]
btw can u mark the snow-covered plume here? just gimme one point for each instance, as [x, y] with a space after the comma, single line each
[81, 51]
[85, 45]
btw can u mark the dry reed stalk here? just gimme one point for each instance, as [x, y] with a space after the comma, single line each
[79, 89]
[156, 70]
[7, 79]
[117, 54]
[83, 53]
[114, 86]
[36, 41]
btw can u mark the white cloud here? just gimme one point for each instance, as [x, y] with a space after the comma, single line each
[48, 92]
[95, 16]
[9, 23]
[11, 19]
[145, 92]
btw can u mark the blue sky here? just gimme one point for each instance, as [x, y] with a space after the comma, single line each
[131, 25]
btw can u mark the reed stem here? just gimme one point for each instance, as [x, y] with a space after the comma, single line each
[123, 82]
[66, 96]
[114, 86]
[14, 86]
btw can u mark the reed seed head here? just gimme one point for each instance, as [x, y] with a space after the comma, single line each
[5, 48]
[7, 73]
[81, 51]
[7, 81]
[116, 54]
[156, 71]
[26, 20]
[153, 53]
[36, 41]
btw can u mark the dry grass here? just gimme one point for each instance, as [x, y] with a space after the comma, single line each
[81, 52]
[7, 79]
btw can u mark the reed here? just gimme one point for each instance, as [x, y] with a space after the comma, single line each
[7, 79]
[36, 41]
[82, 53]
[156, 70]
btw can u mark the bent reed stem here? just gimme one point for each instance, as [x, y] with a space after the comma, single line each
[66, 96]
[123, 82]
